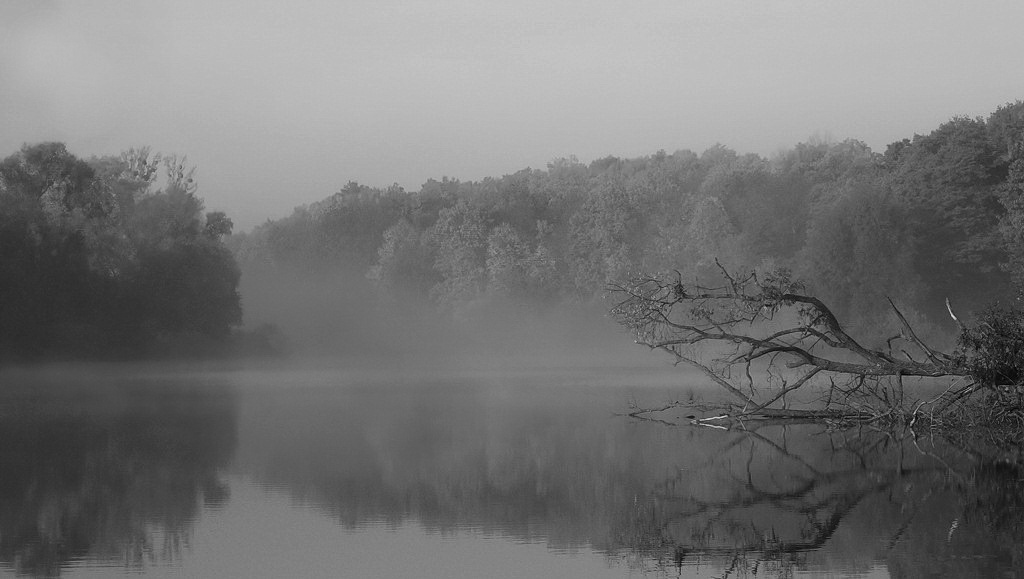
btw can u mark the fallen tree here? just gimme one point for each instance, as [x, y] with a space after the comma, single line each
[762, 338]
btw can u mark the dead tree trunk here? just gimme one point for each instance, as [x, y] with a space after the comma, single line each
[762, 338]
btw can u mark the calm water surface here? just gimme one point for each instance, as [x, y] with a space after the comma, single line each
[339, 473]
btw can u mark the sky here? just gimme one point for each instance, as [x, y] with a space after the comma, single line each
[280, 104]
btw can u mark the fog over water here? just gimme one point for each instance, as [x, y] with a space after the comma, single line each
[327, 289]
[336, 471]
[344, 317]
[387, 438]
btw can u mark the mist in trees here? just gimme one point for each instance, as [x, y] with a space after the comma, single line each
[934, 216]
[97, 259]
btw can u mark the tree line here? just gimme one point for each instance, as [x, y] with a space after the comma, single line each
[96, 261]
[934, 216]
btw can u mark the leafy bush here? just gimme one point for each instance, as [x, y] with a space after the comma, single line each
[992, 350]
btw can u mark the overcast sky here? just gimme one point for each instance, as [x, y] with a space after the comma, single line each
[281, 103]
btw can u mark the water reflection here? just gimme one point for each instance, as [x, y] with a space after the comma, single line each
[784, 499]
[224, 476]
[107, 471]
[535, 462]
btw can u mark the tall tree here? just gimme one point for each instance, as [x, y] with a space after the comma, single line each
[461, 238]
[605, 237]
[50, 200]
[1006, 130]
[947, 180]
[404, 265]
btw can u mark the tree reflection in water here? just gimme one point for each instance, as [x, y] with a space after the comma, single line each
[793, 498]
[108, 471]
[117, 472]
[552, 465]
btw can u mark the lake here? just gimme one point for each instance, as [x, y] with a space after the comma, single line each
[399, 472]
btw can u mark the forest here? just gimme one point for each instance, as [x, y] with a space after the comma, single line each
[933, 217]
[98, 261]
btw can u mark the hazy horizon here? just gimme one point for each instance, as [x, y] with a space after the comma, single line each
[280, 106]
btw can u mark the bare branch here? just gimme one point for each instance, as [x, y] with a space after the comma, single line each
[803, 380]
[767, 324]
[936, 357]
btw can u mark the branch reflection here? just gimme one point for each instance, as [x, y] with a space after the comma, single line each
[546, 465]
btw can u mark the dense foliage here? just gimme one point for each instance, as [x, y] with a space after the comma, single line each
[933, 217]
[96, 262]
[97, 259]
[993, 350]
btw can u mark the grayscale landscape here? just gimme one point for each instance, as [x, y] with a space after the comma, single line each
[533, 289]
